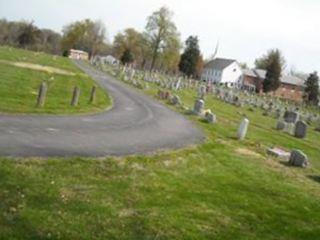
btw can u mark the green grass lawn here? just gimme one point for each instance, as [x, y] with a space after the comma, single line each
[222, 189]
[19, 85]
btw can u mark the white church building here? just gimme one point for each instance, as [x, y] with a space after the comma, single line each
[223, 71]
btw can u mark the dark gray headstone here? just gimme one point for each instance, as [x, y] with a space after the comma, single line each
[291, 117]
[93, 94]
[281, 125]
[75, 96]
[298, 159]
[300, 129]
[175, 100]
[42, 94]
[210, 117]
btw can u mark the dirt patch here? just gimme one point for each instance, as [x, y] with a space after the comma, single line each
[127, 213]
[38, 67]
[248, 152]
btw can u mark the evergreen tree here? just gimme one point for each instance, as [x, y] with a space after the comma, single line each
[190, 57]
[273, 65]
[127, 57]
[312, 89]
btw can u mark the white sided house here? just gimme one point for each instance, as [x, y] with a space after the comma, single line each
[223, 71]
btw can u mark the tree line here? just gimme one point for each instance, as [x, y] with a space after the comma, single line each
[157, 47]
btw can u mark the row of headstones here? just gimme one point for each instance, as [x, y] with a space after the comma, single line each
[42, 93]
[292, 125]
[271, 107]
[172, 83]
[210, 117]
[297, 157]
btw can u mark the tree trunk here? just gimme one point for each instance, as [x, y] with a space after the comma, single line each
[155, 50]
[154, 58]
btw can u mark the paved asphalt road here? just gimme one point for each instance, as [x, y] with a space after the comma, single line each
[135, 124]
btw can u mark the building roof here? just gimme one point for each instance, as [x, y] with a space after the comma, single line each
[249, 72]
[257, 73]
[78, 51]
[261, 73]
[293, 80]
[219, 63]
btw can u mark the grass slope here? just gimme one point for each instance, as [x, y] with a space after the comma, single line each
[19, 86]
[223, 189]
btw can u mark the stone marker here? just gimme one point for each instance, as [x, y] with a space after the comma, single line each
[243, 128]
[210, 117]
[289, 128]
[198, 106]
[93, 94]
[75, 96]
[175, 100]
[279, 153]
[298, 159]
[42, 94]
[300, 129]
[291, 117]
[278, 113]
[281, 125]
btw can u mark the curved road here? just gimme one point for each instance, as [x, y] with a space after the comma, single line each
[135, 124]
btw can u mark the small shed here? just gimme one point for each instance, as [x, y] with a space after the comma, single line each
[78, 54]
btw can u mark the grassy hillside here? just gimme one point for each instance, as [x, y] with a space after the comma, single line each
[222, 189]
[21, 73]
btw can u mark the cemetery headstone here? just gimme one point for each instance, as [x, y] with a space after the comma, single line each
[279, 153]
[75, 96]
[291, 117]
[210, 117]
[42, 94]
[243, 128]
[289, 128]
[198, 106]
[93, 94]
[298, 159]
[281, 125]
[300, 129]
[175, 100]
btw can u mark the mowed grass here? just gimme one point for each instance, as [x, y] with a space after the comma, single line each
[19, 86]
[222, 189]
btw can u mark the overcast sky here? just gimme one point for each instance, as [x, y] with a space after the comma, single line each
[246, 29]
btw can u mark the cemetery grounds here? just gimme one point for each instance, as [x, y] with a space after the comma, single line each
[23, 71]
[222, 189]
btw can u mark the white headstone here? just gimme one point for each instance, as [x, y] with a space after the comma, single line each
[243, 128]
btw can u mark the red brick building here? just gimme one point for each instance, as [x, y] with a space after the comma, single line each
[291, 88]
[252, 79]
